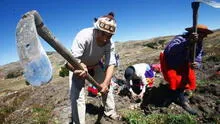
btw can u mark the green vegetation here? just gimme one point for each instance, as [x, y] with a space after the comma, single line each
[205, 82]
[151, 45]
[41, 114]
[137, 117]
[162, 42]
[12, 75]
[63, 72]
[202, 82]
[156, 45]
[6, 110]
[213, 58]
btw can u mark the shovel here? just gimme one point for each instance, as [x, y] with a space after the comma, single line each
[195, 7]
[33, 58]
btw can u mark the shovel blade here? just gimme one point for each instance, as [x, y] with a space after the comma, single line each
[211, 3]
[33, 58]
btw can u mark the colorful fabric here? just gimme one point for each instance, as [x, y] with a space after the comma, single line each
[181, 77]
[149, 73]
[150, 81]
[149, 76]
[156, 67]
[92, 90]
[177, 52]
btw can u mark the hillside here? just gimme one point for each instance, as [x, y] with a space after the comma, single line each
[21, 103]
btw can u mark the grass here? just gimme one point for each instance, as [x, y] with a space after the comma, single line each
[16, 102]
[155, 45]
[137, 117]
[63, 72]
[151, 45]
[5, 111]
[12, 84]
[205, 82]
[41, 114]
[213, 58]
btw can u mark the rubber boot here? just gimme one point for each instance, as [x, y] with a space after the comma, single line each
[185, 105]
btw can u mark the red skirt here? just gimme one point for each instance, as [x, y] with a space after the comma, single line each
[182, 77]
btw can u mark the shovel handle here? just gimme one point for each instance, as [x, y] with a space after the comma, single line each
[195, 8]
[47, 36]
[45, 33]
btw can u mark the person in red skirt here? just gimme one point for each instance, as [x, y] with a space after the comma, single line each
[177, 63]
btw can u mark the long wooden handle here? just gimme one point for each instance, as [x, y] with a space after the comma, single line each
[44, 32]
[195, 7]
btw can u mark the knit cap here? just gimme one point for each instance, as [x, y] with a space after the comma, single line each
[106, 23]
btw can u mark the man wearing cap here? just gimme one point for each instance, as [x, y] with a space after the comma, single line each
[177, 63]
[89, 46]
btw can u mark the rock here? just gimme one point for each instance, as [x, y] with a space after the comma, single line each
[62, 114]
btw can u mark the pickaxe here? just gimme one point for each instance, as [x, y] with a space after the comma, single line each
[44, 32]
[195, 7]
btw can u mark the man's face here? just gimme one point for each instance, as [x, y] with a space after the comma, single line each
[202, 35]
[102, 38]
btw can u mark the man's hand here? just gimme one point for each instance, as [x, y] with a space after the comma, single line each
[134, 96]
[140, 96]
[195, 65]
[81, 73]
[104, 88]
[193, 37]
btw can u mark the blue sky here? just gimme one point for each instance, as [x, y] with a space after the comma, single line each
[136, 19]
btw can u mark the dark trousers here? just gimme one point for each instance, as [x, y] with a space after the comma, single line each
[177, 96]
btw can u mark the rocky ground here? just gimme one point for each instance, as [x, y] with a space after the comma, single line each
[22, 103]
[25, 105]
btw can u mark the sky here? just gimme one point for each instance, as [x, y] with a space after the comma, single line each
[136, 19]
